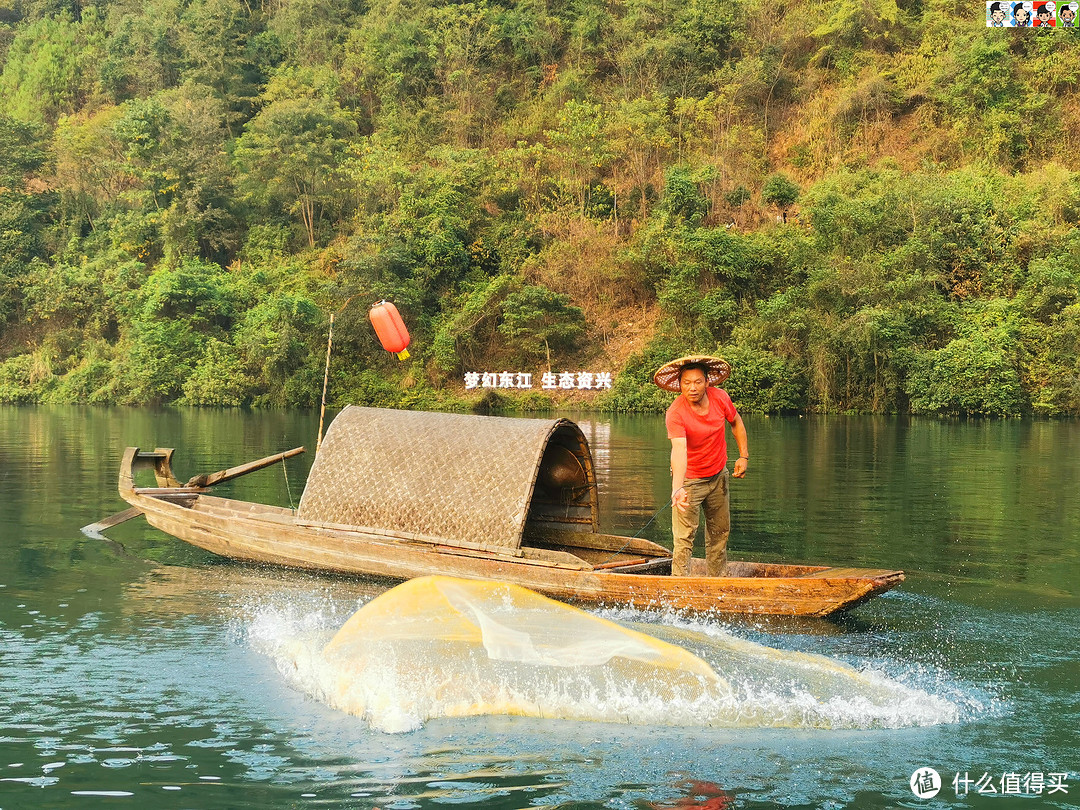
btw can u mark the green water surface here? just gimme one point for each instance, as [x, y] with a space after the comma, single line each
[130, 675]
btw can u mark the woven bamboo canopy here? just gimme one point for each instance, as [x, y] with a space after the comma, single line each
[467, 481]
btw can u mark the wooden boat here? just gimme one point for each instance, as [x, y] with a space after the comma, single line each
[399, 494]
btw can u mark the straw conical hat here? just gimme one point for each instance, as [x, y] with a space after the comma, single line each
[667, 377]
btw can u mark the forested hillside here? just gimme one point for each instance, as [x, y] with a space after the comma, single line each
[865, 205]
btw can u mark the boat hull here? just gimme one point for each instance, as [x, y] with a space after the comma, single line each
[263, 534]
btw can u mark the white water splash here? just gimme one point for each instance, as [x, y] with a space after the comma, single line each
[396, 684]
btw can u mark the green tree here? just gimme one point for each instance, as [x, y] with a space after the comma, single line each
[640, 133]
[537, 321]
[180, 310]
[218, 379]
[173, 166]
[970, 376]
[464, 37]
[581, 151]
[23, 214]
[389, 63]
[48, 70]
[290, 153]
[312, 32]
[858, 22]
[982, 90]
[274, 339]
[683, 198]
[780, 191]
[91, 166]
[211, 37]
[468, 329]
[21, 152]
[763, 381]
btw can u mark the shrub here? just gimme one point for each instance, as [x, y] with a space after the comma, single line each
[762, 381]
[218, 379]
[779, 191]
[538, 322]
[633, 388]
[972, 375]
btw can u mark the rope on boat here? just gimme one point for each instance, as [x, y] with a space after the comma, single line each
[287, 487]
[637, 534]
[656, 514]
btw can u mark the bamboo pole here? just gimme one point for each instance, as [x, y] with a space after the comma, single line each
[325, 383]
[326, 372]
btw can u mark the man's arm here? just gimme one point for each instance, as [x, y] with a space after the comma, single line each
[738, 430]
[679, 496]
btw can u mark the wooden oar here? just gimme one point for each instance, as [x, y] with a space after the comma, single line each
[209, 479]
[95, 529]
[206, 480]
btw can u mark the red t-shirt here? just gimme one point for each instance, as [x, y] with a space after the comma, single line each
[706, 444]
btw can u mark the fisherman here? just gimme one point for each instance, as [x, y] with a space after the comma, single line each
[696, 424]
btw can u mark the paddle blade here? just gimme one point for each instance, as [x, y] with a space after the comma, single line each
[95, 530]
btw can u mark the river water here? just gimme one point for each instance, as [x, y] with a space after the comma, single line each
[138, 671]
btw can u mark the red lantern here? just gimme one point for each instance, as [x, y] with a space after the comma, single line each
[391, 330]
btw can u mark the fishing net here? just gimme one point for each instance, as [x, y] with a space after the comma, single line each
[438, 646]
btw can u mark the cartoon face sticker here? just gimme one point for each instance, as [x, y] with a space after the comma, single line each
[1044, 14]
[1021, 14]
[1067, 15]
[997, 13]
